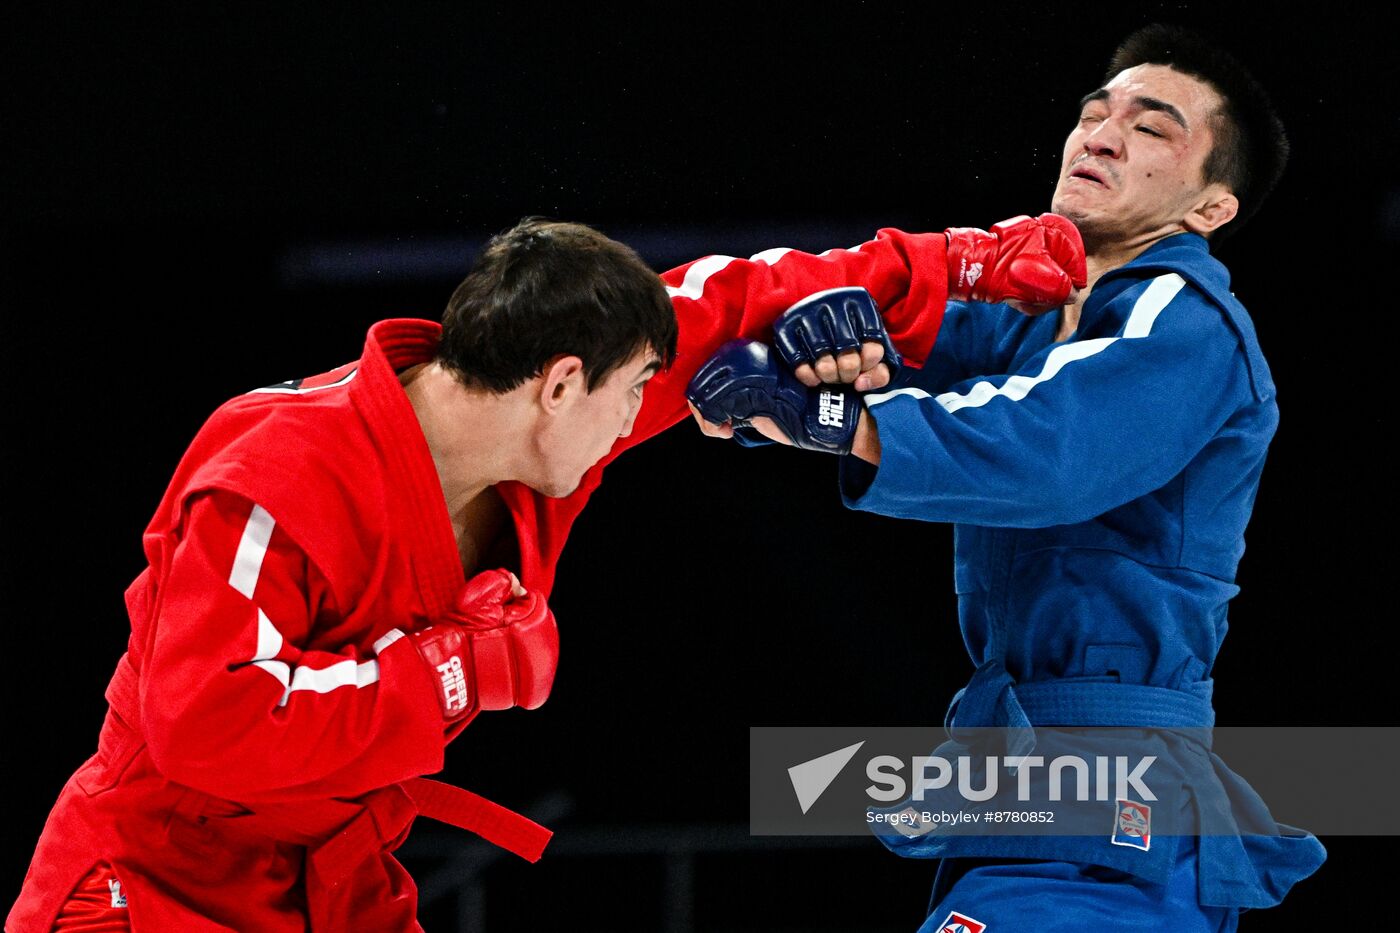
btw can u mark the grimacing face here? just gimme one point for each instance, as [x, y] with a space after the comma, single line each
[1132, 167]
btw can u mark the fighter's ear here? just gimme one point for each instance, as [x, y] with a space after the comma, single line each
[561, 382]
[1216, 207]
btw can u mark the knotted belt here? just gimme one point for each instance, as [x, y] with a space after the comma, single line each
[992, 699]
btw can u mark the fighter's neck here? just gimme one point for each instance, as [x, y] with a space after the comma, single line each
[1099, 259]
[469, 434]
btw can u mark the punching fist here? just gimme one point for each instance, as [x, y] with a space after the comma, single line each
[838, 335]
[1031, 263]
[497, 648]
[746, 380]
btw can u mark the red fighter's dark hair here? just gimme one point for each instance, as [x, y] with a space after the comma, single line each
[546, 288]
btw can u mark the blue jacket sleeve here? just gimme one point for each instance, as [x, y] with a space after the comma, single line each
[1078, 429]
[963, 348]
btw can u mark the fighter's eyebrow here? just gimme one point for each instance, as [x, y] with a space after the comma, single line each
[651, 369]
[1142, 103]
[1161, 106]
[1092, 96]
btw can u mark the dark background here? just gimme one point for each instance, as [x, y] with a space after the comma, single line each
[197, 204]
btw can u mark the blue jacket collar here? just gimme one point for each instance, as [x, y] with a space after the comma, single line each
[1188, 255]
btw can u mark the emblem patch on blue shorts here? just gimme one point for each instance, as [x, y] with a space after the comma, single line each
[957, 923]
[1133, 825]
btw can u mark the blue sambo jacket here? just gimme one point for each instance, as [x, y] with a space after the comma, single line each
[1100, 488]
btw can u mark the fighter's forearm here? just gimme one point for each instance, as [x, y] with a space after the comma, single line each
[866, 444]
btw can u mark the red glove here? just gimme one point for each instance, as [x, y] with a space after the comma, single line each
[1034, 262]
[494, 650]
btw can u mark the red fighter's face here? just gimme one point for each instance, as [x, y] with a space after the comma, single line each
[594, 421]
[1133, 165]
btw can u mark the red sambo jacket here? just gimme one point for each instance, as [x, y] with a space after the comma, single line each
[260, 757]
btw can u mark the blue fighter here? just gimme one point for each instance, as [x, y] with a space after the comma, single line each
[1100, 465]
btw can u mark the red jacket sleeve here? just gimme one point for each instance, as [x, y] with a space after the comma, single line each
[721, 298]
[246, 693]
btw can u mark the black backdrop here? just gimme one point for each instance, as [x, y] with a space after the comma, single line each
[164, 172]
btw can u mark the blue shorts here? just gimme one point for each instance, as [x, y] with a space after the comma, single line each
[1009, 895]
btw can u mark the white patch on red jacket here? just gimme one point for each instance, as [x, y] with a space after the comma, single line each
[247, 567]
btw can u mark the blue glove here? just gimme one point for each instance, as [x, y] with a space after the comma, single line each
[834, 321]
[746, 380]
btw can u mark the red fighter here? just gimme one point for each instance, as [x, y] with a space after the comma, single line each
[316, 621]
